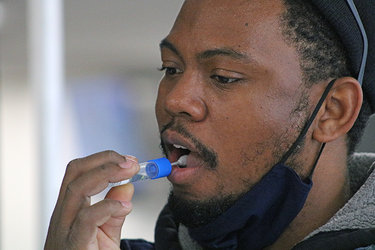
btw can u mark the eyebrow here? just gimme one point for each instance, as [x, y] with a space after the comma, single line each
[166, 44]
[223, 52]
[207, 54]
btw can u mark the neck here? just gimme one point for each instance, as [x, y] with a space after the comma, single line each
[329, 193]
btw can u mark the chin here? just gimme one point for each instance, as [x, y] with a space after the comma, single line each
[198, 192]
[195, 210]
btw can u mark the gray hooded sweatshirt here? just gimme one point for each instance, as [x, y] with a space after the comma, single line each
[357, 215]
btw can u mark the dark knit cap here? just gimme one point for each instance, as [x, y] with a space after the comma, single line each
[339, 15]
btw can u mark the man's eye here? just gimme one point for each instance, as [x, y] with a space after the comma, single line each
[223, 79]
[170, 70]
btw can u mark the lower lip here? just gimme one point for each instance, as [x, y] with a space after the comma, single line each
[187, 174]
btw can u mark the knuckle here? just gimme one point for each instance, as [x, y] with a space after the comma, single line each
[112, 203]
[71, 188]
[103, 170]
[73, 165]
[83, 217]
[113, 206]
[112, 155]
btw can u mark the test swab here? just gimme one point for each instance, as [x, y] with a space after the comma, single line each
[153, 169]
[181, 161]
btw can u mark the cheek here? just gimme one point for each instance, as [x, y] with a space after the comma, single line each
[246, 148]
[245, 141]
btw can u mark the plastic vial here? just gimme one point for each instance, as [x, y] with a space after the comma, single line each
[152, 169]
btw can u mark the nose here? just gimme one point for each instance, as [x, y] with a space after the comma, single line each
[185, 98]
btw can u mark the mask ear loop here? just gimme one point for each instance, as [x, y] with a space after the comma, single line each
[354, 10]
[361, 73]
[307, 126]
[316, 161]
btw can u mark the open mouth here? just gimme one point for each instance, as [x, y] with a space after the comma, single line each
[175, 153]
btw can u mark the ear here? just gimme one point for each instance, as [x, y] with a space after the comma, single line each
[339, 111]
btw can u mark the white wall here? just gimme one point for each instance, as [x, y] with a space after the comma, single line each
[19, 174]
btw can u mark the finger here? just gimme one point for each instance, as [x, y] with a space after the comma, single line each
[79, 166]
[97, 179]
[131, 158]
[79, 191]
[122, 193]
[89, 220]
[60, 222]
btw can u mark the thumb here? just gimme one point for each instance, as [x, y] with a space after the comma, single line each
[124, 194]
[121, 193]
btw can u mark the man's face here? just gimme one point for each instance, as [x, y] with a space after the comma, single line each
[230, 95]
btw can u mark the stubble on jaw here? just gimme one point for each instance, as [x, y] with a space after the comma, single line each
[194, 213]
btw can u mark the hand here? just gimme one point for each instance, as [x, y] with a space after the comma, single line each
[75, 223]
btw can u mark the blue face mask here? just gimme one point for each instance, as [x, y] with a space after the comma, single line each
[259, 217]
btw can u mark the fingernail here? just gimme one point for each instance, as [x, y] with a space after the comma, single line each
[126, 164]
[131, 158]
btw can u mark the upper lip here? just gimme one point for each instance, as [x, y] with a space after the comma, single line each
[170, 138]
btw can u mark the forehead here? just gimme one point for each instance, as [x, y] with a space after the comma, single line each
[250, 27]
[227, 21]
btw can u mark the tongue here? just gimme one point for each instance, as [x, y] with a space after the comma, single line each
[181, 161]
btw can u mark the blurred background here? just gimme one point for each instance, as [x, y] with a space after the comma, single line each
[78, 77]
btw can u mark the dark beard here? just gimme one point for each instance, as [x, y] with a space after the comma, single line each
[197, 213]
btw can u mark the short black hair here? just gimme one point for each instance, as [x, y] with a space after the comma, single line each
[322, 54]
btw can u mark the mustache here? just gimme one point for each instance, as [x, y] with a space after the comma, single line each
[208, 155]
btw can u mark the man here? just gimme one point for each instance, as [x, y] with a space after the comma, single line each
[263, 96]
